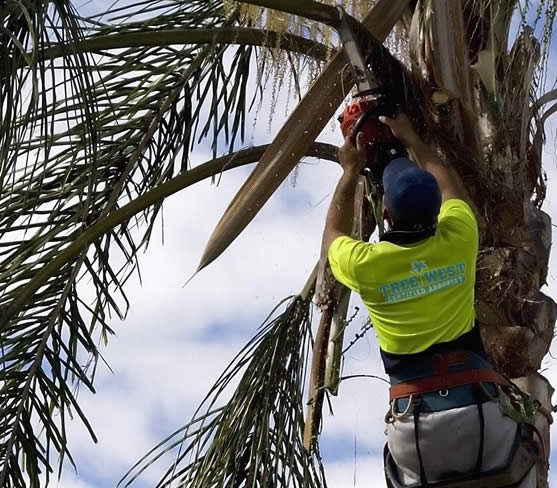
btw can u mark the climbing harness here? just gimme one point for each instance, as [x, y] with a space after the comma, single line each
[445, 381]
[519, 463]
[448, 373]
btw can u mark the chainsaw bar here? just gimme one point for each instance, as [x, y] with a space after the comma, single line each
[363, 77]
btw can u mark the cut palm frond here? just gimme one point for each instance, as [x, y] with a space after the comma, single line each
[302, 127]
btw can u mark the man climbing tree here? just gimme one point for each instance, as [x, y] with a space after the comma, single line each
[447, 420]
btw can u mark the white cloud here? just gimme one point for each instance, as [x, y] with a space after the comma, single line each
[361, 472]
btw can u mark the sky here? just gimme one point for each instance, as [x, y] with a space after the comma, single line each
[176, 339]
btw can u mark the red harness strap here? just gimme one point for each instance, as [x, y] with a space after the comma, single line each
[450, 379]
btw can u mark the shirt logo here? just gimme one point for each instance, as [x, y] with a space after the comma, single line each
[423, 281]
[418, 266]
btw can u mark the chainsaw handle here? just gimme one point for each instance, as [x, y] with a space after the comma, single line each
[359, 124]
[383, 109]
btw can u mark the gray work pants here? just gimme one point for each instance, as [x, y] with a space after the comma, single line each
[449, 443]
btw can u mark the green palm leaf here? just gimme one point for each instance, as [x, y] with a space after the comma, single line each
[108, 124]
[255, 439]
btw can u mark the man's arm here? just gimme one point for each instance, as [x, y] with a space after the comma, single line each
[426, 157]
[341, 211]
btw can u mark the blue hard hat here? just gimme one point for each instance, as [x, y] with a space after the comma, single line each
[412, 195]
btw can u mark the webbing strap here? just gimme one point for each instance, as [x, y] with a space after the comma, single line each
[448, 380]
[416, 411]
[482, 434]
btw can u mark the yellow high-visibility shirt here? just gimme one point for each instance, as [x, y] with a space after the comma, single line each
[416, 294]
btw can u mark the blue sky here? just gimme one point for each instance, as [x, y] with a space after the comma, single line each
[176, 340]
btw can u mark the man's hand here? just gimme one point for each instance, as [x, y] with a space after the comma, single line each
[427, 158]
[353, 159]
[402, 129]
[341, 211]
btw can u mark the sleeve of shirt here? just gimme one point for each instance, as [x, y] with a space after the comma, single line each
[345, 254]
[457, 218]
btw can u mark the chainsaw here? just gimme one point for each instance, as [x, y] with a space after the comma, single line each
[369, 102]
[362, 115]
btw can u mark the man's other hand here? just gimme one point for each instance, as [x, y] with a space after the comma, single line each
[353, 159]
[402, 129]
[426, 156]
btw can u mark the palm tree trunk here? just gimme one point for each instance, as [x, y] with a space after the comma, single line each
[492, 115]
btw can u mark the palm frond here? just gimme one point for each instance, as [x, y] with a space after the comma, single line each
[255, 439]
[38, 361]
[221, 35]
[101, 130]
[303, 126]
